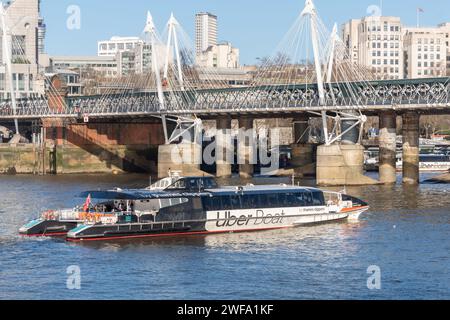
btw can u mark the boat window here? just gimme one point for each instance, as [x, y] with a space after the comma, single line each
[300, 199]
[180, 184]
[263, 201]
[246, 202]
[226, 203]
[209, 183]
[208, 203]
[235, 202]
[307, 196]
[291, 200]
[158, 204]
[318, 198]
[195, 184]
[282, 200]
[272, 200]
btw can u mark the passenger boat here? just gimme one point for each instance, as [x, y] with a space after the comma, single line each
[197, 205]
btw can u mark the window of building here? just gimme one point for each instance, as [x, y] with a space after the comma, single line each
[21, 82]
[2, 82]
[18, 49]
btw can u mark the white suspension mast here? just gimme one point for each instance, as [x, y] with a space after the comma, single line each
[172, 24]
[6, 44]
[310, 11]
[332, 54]
[150, 30]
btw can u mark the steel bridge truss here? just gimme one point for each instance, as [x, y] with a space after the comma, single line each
[425, 92]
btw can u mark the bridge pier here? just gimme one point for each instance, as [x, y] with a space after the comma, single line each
[340, 165]
[246, 147]
[223, 147]
[411, 147]
[388, 147]
[185, 157]
[302, 151]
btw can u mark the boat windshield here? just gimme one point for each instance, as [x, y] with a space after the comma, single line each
[194, 184]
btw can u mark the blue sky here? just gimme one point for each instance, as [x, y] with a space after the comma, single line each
[254, 26]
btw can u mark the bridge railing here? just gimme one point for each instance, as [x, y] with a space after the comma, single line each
[426, 92]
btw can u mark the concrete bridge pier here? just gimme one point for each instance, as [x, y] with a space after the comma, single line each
[388, 147]
[411, 147]
[246, 147]
[302, 151]
[185, 157]
[224, 148]
[341, 164]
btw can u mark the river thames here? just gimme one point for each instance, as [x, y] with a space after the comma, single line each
[406, 234]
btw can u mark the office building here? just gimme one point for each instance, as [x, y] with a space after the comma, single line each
[205, 31]
[376, 43]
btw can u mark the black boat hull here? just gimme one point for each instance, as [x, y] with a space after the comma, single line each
[47, 228]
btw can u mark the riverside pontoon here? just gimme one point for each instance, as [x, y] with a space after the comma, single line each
[197, 205]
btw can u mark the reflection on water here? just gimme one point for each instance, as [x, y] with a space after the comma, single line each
[406, 233]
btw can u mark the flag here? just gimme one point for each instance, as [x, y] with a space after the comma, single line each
[420, 10]
[87, 203]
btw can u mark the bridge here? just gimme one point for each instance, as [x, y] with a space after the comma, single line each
[300, 81]
[428, 96]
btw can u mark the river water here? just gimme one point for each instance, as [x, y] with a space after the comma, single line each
[406, 234]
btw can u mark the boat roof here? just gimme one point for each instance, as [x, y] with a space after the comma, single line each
[261, 189]
[145, 194]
